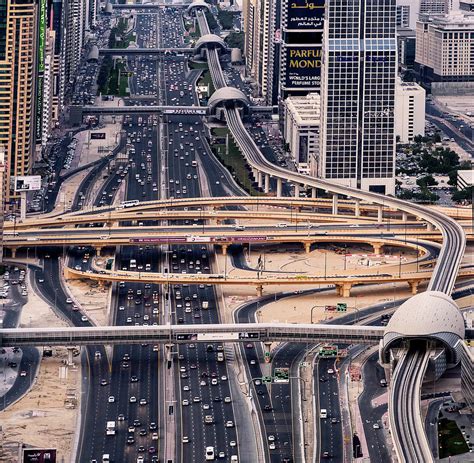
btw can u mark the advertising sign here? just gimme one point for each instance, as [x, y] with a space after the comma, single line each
[164, 239]
[42, 34]
[39, 105]
[39, 456]
[27, 183]
[302, 65]
[98, 136]
[198, 239]
[303, 15]
[217, 336]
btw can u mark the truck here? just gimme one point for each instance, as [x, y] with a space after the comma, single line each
[110, 430]
[133, 263]
[205, 304]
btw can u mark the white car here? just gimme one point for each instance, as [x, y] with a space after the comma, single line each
[143, 402]
[185, 402]
[227, 400]
[133, 399]
[111, 399]
[185, 388]
[84, 318]
[232, 443]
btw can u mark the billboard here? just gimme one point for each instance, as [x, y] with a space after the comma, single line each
[27, 183]
[302, 67]
[302, 15]
[217, 336]
[39, 456]
[97, 135]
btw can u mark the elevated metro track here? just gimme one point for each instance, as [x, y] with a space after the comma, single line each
[265, 332]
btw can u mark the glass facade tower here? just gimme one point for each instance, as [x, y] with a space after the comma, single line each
[358, 94]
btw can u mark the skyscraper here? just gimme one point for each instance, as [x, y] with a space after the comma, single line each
[17, 85]
[358, 94]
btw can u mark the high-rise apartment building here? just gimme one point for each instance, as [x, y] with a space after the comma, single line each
[435, 6]
[358, 94]
[18, 26]
[445, 47]
[72, 40]
[261, 19]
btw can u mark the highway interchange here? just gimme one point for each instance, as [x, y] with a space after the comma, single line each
[166, 402]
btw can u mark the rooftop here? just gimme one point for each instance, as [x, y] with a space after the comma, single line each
[305, 109]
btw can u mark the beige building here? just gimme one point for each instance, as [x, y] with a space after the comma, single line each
[301, 131]
[17, 88]
[409, 111]
[445, 47]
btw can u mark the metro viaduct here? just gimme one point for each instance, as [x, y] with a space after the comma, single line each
[182, 334]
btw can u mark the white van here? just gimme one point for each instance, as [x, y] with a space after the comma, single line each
[323, 413]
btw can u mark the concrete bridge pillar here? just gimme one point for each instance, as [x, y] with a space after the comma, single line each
[404, 216]
[357, 207]
[267, 183]
[414, 286]
[279, 187]
[224, 249]
[13, 252]
[377, 248]
[313, 193]
[335, 204]
[297, 190]
[98, 250]
[70, 351]
[379, 214]
[307, 247]
[259, 290]
[429, 226]
[344, 289]
[259, 179]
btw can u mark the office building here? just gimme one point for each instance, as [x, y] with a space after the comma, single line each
[17, 86]
[301, 130]
[409, 111]
[445, 47]
[435, 6]
[50, 77]
[406, 43]
[407, 13]
[358, 94]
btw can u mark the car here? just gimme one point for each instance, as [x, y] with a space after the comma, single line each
[214, 382]
[137, 423]
[268, 408]
[334, 420]
[186, 388]
[143, 432]
[121, 417]
[197, 399]
[104, 382]
[185, 402]
[111, 399]
[205, 406]
[23, 373]
[376, 426]
[330, 371]
[232, 443]
[185, 440]
[223, 378]
[203, 383]
[221, 455]
[133, 379]
[68, 300]
[272, 446]
[253, 362]
[130, 440]
[84, 319]
[227, 400]
[143, 402]
[271, 438]
[249, 345]
[152, 426]
[132, 399]
[229, 424]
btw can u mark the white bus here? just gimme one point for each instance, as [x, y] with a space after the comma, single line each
[133, 202]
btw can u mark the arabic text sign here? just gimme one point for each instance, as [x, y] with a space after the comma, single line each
[39, 456]
[304, 15]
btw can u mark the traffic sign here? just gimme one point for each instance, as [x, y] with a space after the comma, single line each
[267, 357]
[282, 375]
[341, 307]
[266, 379]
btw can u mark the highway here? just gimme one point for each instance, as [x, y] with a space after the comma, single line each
[404, 403]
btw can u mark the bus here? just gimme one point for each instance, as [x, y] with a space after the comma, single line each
[133, 202]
